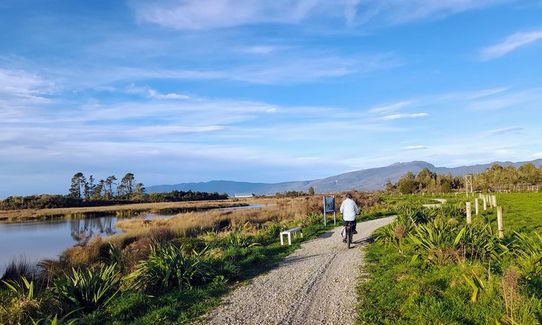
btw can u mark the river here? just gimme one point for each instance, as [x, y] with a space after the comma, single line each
[38, 240]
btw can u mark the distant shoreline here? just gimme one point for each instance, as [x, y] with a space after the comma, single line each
[10, 216]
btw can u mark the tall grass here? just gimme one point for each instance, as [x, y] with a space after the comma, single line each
[444, 262]
[168, 266]
[88, 289]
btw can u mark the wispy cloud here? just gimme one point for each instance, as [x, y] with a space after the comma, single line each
[400, 116]
[505, 100]
[212, 14]
[415, 147]
[259, 49]
[209, 14]
[287, 69]
[152, 93]
[22, 86]
[393, 107]
[398, 12]
[502, 131]
[510, 43]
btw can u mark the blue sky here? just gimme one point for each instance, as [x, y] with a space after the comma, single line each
[252, 90]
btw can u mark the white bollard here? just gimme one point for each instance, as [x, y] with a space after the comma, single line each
[476, 207]
[500, 225]
[469, 213]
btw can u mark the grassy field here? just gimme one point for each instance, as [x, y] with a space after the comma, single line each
[127, 209]
[438, 270]
[163, 271]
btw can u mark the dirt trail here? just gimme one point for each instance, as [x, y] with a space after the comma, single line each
[314, 285]
[435, 205]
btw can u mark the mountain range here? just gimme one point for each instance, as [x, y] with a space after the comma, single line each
[372, 179]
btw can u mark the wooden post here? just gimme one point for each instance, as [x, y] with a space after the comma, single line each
[325, 219]
[469, 213]
[476, 207]
[500, 225]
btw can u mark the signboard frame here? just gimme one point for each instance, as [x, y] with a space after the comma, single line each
[327, 204]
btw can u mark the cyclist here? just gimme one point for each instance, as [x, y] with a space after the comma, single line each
[349, 209]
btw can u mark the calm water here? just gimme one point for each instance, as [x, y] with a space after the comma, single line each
[34, 241]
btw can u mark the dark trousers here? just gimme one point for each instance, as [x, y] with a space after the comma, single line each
[353, 223]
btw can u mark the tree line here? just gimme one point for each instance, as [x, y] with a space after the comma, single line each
[494, 179]
[87, 192]
[105, 189]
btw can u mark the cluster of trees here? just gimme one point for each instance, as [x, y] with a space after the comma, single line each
[494, 179]
[425, 181]
[105, 189]
[85, 192]
[499, 178]
[310, 191]
[177, 196]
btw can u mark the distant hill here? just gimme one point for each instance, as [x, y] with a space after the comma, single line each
[364, 180]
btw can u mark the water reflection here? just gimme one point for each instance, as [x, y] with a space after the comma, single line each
[82, 230]
[35, 241]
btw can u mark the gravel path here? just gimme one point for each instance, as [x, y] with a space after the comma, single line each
[314, 285]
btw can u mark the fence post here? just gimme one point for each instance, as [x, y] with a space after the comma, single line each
[325, 219]
[469, 213]
[494, 200]
[485, 203]
[476, 207]
[500, 225]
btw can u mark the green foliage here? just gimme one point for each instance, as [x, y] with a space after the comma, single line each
[179, 280]
[24, 290]
[528, 252]
[18, 269]
[21, 303]
[428, 263]
[238, 240]
[88, 289]
[168, 266]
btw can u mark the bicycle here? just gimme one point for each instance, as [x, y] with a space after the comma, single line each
[349, 233]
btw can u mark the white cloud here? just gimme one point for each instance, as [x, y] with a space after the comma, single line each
[397, 12]
[537, 155]
[284, 70]
[259, 49]
[209, 14]
[506, 100]
[212, 14]
[152, 93]
[415, 147]
[388, 108]
[19, 87]
[502, 131]
[399, 116]
[509, 44]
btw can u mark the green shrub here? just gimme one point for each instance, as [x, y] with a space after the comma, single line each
[168, 266]
[18, 269]
[88, 289]
[528, 252]
[21, 303]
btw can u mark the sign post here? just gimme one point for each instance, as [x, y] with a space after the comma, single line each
[329, 206]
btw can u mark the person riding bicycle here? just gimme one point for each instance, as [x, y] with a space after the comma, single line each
[349, 209]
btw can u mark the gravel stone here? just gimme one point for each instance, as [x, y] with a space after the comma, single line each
[314, 285]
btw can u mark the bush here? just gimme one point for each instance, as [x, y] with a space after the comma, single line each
[21, 303]
[88, 289]
[18, 269]
[166, 267]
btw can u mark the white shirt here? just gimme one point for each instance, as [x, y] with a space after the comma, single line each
[349, 209]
